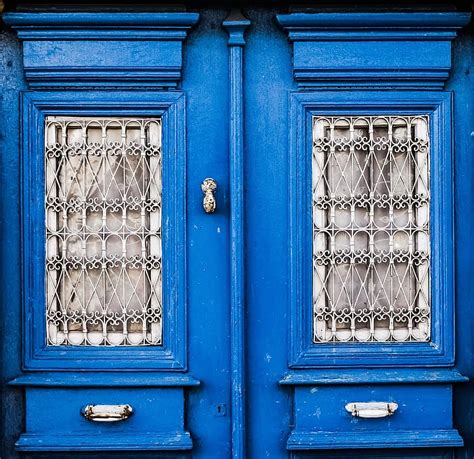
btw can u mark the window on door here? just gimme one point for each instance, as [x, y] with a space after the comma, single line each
[103, 231]
[371, 241]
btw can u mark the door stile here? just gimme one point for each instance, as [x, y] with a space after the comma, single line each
[235, 24]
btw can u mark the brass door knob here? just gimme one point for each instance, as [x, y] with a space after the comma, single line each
[208, 187]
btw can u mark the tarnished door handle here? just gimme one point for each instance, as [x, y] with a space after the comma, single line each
[106, 413]
[371, 410]
[208, 187]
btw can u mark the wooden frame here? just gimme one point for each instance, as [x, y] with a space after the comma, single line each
[171, 108]
[303, 352]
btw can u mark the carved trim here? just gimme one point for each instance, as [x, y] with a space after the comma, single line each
[372, 50]
[56, 48]
[236, 25]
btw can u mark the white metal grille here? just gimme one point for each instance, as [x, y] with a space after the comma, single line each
[371, 243]
[103, 231]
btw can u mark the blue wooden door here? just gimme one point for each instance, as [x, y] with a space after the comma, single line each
[126, 343]
[237, 235]
[351, 354]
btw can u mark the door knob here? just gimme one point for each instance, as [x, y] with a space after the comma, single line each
[208, 187]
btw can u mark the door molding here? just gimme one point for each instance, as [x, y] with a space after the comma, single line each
[372, 50]
[236, 25]
[54, 47]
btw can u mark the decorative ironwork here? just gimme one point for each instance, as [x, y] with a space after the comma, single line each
[371, 248]
[103, 231]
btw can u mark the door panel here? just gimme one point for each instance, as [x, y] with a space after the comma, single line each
[101, 156]
[285, 334]
[208, 408]
[267, 53]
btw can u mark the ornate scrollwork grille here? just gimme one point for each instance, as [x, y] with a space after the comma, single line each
[103, 231]
[371, 248]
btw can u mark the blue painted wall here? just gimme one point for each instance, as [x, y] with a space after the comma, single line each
[462, 83]
[12, 83]
[267, 82]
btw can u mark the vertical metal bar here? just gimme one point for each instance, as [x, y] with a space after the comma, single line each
[320, 274]
[235, 24]
[52, 193]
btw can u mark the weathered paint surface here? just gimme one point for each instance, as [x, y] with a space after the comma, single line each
[268, 384]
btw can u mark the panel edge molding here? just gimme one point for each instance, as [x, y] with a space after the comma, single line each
[235, 25]
[373, 376]
[383, 439]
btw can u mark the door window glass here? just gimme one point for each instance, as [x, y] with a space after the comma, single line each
[371, 248]
[103, 231]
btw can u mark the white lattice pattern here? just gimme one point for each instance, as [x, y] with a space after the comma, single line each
[103, 231]
[371, 243]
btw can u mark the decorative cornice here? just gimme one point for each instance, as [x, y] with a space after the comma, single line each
[363, 50]
[123, 26]
[374, 23]
[102, 49]
[102, 20]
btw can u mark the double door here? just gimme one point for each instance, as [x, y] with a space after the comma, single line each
[253, 257]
